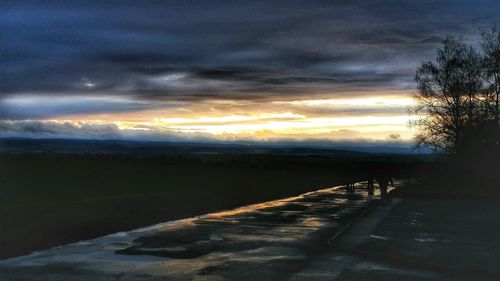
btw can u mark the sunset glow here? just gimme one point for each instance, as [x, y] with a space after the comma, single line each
[174, 71]
[378, 118]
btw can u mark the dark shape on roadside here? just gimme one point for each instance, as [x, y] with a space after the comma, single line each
[383, 182]
[371, 189]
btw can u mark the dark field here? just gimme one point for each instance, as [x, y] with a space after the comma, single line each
[52, 194]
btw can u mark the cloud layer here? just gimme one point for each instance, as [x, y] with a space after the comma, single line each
[109, 131]
[165, 59]
[228, 49]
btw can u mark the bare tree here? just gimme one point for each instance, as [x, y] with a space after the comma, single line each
[458, 97]
[490, 44]
[440, 98]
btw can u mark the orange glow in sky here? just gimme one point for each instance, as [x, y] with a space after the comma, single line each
[374, 117]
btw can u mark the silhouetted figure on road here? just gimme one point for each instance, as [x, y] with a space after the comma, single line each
[371, 189]
[350, 187]
[383, 182]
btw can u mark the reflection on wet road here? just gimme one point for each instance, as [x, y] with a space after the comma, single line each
[268, 241]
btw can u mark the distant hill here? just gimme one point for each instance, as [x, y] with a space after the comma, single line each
[76, 146]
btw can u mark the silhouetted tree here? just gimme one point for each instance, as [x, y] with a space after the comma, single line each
[441, 88]
[490, 44]
[458, 97]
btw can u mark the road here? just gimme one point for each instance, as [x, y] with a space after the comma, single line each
[270, 241]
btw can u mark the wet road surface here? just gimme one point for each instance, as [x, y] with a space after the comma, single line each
[268, 241]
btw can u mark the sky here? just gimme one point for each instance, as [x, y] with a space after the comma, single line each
[332, 71]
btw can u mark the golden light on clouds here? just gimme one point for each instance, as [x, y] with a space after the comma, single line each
[302, 125]
[366, 102]
[372, 116]
[303, 119]
[229, 118]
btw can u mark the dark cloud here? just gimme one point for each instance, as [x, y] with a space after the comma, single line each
[40, 107]
[90, 130]
[193, 50]
[394, 136]
[49, 129]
